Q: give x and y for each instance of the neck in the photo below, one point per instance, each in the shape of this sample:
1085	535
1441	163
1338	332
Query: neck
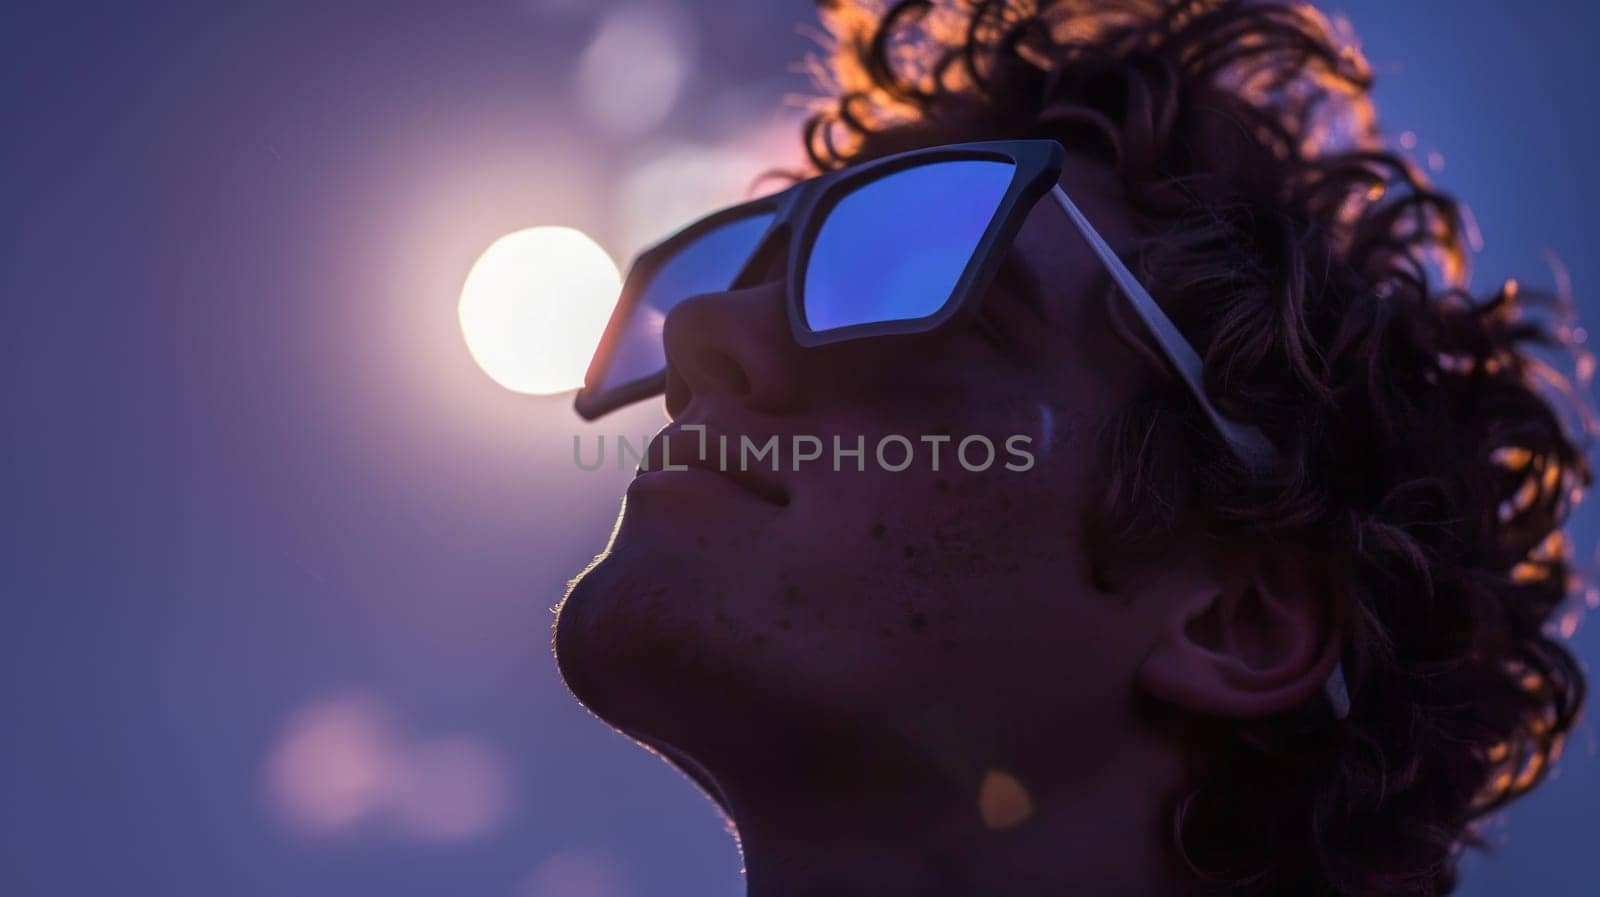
935	833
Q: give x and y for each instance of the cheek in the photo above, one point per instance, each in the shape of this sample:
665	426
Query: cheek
984	550
926	565
989	603
898	575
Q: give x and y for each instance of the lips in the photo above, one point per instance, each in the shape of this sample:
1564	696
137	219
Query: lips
681	448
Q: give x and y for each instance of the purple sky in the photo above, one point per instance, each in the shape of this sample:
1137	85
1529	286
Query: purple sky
261	505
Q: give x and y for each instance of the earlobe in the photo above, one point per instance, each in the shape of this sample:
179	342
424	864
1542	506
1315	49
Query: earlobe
1257	646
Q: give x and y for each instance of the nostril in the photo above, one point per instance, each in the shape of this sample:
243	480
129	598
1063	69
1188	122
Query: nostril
719	367
677	395
709	370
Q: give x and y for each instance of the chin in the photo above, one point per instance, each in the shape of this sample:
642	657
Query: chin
684	651
632	649
631	671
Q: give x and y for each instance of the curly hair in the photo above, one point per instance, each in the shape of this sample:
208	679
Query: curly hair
1432	455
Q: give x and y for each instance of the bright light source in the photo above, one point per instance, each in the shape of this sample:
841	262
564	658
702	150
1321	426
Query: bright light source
534	305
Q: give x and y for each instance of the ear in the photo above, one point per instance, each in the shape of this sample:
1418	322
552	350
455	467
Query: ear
1251	641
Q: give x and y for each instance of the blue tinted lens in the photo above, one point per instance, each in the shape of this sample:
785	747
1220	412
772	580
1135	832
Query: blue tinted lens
705	265
893	249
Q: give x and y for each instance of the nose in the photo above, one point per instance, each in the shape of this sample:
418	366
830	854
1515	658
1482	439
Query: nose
734	344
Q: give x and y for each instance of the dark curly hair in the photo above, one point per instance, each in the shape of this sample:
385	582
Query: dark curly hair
1431	443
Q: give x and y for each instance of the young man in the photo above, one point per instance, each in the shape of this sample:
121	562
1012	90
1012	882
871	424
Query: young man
1250	597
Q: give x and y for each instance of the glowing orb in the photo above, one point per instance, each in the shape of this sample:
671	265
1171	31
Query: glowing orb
534	306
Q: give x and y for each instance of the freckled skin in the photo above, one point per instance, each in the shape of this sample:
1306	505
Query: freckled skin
925	624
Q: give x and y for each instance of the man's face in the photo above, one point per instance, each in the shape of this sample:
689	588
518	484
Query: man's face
946	608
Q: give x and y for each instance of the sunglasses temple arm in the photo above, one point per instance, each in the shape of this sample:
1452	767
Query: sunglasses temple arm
1247	442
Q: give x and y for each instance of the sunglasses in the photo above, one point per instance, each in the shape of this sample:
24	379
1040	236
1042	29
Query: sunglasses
900	245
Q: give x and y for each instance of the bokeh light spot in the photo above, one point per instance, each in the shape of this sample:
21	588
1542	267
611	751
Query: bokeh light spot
576	872
344	762
333	764
455	789
1002	801
631	74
